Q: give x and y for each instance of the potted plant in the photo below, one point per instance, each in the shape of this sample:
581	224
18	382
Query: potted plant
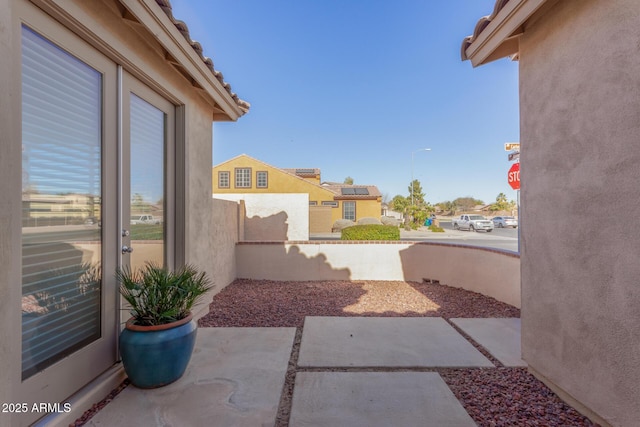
157	341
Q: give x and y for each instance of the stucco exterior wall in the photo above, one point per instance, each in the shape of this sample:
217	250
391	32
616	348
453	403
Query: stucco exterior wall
364	209
273	216
580	157
489	272
10	212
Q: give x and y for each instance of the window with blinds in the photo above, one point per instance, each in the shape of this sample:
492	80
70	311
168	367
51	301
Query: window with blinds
147	181
61	203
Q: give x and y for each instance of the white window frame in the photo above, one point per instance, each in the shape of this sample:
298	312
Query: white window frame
242	178
227	179
262	176
344	210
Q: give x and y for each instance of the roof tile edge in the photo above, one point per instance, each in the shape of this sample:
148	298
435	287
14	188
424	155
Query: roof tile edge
480	26
182	27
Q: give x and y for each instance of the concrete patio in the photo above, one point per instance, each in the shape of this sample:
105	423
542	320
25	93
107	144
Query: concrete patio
349	372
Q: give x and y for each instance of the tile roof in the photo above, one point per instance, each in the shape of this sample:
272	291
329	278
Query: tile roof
480	26
184	30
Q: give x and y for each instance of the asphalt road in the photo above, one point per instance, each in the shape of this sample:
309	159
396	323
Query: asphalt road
499	238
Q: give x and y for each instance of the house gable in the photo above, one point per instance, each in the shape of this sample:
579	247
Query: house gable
279	180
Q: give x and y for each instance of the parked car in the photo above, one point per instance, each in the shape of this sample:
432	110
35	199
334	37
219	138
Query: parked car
505	221
472	223
144	219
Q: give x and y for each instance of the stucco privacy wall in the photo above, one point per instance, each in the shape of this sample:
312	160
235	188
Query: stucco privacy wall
224	236
274	216
489	272
580	130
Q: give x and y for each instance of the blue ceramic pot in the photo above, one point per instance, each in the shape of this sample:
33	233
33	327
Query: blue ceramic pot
154	356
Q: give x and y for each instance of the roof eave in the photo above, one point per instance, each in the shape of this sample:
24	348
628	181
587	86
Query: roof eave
150	14
500	36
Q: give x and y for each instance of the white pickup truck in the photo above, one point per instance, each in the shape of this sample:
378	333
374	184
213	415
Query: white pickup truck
472	223
144	219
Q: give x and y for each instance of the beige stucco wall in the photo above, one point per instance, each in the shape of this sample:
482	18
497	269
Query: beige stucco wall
221	258
273	216
320	219
490	272
580	198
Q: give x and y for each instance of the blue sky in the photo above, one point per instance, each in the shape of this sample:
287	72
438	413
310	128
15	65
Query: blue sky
354	87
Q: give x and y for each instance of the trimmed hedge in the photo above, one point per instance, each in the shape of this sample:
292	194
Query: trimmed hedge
371	232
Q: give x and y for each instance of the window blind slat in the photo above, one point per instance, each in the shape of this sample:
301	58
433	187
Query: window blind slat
62	137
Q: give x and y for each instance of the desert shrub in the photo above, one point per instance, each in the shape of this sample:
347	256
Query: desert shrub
436	229
371	232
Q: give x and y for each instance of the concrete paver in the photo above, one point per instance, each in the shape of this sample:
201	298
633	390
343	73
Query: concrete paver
235	378
372	399
500	337
385	342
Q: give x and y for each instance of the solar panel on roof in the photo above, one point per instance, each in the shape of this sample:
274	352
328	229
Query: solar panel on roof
362	191
348	191
305	171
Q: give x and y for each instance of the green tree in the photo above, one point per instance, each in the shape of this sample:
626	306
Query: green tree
348	180
415	193
467	203
448	206
419	214
501	204
399	203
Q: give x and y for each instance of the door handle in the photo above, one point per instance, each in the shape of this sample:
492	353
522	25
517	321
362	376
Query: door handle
126	249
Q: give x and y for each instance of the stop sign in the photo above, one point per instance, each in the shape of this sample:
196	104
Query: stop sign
514	176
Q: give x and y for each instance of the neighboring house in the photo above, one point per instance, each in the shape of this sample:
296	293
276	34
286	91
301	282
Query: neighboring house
579	132
389	212
244	174
357	201
106	111
483	209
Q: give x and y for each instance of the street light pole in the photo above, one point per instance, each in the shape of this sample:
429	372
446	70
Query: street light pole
412	155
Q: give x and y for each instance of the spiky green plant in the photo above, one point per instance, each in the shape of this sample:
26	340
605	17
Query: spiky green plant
158	296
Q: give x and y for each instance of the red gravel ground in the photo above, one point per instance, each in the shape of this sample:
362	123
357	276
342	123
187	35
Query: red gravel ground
492	396
268	303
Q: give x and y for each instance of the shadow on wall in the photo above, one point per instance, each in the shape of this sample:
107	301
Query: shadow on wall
287	262
273	227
